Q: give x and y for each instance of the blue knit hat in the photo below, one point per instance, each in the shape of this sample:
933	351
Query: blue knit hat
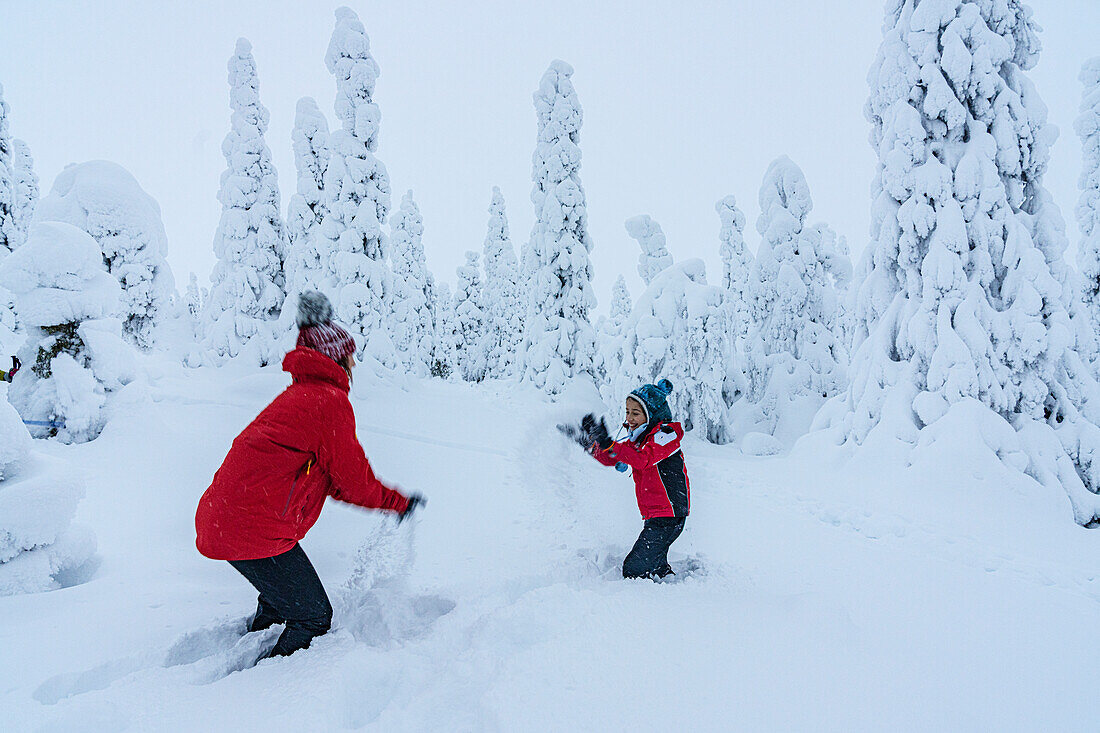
654	399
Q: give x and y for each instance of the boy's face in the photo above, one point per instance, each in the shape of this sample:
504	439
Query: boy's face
635	415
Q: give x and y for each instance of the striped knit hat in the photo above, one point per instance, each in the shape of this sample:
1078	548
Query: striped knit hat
317	331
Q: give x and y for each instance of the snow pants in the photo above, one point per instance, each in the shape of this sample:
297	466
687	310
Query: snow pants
649	556
291	594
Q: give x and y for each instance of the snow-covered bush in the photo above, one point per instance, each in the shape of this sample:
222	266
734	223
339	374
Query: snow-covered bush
103	199
793	358
504	302
470	320
74	354
357	195
413	327
445	344
966	295
678	330
1088	205
26	189
247	285
38	542
308	264
654	257
558	342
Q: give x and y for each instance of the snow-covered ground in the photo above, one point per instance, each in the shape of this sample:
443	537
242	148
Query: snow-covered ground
934	599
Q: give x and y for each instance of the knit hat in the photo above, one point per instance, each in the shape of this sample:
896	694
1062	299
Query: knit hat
654	399
317	331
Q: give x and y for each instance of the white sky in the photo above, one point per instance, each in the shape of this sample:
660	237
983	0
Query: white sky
683	102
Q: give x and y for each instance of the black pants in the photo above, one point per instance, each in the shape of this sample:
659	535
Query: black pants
291	594
649	556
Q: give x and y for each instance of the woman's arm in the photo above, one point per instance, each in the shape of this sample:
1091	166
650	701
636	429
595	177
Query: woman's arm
342	457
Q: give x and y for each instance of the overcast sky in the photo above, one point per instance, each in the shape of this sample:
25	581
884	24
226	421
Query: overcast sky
683	102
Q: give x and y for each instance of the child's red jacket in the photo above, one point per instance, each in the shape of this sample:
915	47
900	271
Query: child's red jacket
302	448
660	474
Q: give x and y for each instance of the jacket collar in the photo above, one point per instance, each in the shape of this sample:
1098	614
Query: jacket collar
305	364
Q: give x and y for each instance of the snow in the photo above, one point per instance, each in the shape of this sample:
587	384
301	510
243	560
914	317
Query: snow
835	594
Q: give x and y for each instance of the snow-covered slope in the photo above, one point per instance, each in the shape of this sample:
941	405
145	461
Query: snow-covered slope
868	602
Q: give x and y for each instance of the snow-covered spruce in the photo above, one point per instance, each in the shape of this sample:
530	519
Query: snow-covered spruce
247	285
9	231
558	342
654	257
678	330
308	263
470	320
609	342
26	189
103	199
504	302
74	356
1087	126
445	344
736	265
357	195
412	313
966	298
193	301
793	359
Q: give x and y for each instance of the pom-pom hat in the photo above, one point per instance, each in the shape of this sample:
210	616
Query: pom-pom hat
654	399
316	329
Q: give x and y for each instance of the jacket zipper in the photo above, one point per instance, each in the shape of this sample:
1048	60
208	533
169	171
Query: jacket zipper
290	495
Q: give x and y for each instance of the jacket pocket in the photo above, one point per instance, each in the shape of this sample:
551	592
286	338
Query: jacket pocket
293	485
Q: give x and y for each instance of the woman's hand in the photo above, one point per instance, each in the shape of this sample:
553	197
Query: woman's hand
415	501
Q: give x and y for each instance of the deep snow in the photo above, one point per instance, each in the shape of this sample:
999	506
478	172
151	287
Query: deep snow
833	597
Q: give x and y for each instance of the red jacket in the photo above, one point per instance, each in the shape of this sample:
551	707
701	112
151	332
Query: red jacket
660	474
300	449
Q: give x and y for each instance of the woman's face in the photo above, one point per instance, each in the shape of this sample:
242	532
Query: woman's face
349	363
635	415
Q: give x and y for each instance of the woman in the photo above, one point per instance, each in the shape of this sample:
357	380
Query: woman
270	489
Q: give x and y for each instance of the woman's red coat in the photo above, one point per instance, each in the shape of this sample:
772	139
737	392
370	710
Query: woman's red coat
270	489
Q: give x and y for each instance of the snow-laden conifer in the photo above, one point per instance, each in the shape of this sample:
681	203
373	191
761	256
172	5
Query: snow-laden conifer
247	285
559	342
966	299
9	231
1087	126
26	189
308	261
107	202
793	359
609	342
74	355
736	264
678	330
504	302
357	194
445	344
193	300
413	327
470	320
654	257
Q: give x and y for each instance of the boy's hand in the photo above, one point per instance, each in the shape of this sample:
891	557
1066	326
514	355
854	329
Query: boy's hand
600	435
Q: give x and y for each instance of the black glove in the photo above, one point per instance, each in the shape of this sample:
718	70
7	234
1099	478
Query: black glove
415	500
596	432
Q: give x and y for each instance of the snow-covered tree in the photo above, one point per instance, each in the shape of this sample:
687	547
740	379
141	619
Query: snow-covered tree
357	194
1088	205
308	263
445	345
504	302
736	264
193	301
413	324
558	341
9	230
609	341
793	359
470	320
74	356
678	330
654	257
107	202
26	189
247	285
965	301
38	540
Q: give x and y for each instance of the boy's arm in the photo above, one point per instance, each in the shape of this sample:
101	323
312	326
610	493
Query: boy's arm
662	444
604	456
